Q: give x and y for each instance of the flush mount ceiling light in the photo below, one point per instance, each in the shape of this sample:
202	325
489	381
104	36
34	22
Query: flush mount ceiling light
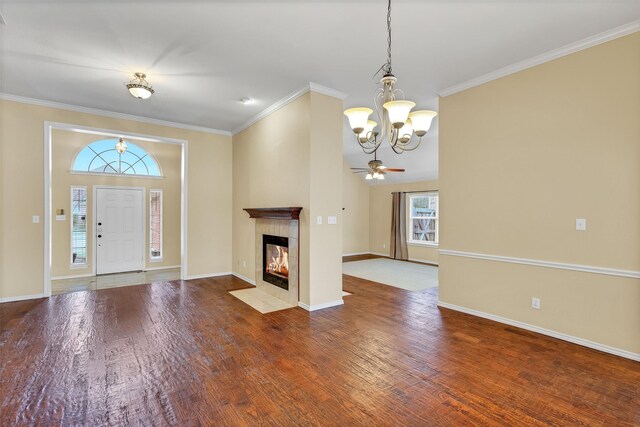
246	100
139	87
398	124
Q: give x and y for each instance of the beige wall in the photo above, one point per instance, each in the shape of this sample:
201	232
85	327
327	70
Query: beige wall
209	193
326	199
520	159
301	166
270	169
65	146
355	216
380	220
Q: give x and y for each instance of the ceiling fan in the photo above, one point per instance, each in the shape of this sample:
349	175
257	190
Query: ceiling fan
376	169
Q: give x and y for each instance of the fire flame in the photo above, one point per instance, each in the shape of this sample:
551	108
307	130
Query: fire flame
279	264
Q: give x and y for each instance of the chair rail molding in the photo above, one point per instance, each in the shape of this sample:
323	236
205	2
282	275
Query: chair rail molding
541	263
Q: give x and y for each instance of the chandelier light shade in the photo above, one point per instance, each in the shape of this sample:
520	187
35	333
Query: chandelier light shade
398	112
358	118
139	87
421	121
368	128
399	126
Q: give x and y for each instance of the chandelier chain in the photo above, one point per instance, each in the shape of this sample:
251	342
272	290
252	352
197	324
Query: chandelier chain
388	67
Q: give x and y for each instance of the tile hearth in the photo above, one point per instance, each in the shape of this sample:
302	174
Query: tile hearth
260	300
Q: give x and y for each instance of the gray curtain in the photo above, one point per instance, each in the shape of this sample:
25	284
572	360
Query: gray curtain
399	227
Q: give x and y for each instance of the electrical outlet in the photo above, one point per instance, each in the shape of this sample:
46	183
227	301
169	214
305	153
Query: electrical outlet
384	246
244	263
535	303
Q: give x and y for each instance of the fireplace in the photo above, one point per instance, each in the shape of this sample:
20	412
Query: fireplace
275	260
277	251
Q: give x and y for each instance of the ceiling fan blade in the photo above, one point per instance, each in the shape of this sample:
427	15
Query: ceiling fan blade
393	170
360	169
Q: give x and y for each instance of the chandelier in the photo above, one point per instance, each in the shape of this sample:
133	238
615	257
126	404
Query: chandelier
398	124
121	146
139	87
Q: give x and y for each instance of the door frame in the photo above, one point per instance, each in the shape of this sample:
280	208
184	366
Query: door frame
49	127
94	255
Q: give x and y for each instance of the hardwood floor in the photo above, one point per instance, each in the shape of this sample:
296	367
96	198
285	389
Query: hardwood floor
189	353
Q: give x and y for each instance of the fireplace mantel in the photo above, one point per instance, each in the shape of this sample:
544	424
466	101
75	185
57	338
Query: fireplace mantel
274	213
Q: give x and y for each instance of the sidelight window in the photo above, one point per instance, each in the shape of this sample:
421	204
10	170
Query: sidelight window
155	219
78	226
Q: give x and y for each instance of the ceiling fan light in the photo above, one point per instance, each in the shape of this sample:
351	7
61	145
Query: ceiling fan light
398	112
369	176
422	121
358	118
380	176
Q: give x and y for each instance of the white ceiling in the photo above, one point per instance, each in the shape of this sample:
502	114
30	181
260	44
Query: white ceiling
203	57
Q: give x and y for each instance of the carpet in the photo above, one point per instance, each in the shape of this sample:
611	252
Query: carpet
410	276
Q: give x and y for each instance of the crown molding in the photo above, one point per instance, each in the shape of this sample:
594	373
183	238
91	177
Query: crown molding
112	114
310	87
586	43
315	87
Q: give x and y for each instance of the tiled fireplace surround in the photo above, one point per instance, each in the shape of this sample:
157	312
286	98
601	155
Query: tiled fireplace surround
274	222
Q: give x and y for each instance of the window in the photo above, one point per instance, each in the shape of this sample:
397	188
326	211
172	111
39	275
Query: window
78	226
155	219
423	218
101	157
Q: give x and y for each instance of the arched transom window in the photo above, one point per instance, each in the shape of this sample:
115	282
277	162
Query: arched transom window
116	157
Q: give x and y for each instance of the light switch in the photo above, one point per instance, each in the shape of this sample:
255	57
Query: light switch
581	224
319	220
332	220
35	219
61	217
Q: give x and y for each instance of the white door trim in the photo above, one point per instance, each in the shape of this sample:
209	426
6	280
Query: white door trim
94	255
48	130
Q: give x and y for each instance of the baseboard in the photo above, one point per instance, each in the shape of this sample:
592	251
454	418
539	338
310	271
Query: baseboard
169	267
357	253
73	276
22	298
320	306
421	261
559	335
246	279
207	275
379	254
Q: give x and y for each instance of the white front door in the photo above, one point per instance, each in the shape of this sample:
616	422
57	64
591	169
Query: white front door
119	230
